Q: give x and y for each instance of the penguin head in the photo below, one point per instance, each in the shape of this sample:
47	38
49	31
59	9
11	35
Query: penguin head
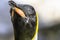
24	26
48	11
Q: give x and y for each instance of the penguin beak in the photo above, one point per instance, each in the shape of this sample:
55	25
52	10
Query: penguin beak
16	9
20	12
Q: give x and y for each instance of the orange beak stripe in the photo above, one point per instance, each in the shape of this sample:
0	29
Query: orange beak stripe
20	12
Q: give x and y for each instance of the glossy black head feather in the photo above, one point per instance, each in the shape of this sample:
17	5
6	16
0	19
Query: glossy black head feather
22	30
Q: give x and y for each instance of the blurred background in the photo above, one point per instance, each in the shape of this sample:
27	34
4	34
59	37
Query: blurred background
6	29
